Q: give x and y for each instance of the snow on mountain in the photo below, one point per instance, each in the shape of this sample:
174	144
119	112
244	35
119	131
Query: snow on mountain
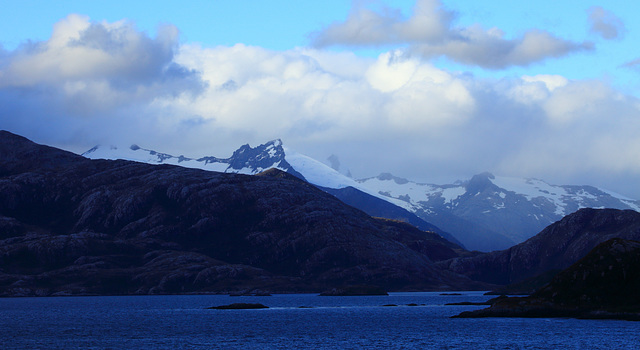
245	160
143	155
412	192
566	199
515	208
322	175
485	213
248	160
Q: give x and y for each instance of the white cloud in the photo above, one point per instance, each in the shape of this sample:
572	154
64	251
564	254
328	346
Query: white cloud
91	77
551	82
430	22
401	114
393	113
430	32
605	23
80	49
535	89
586	137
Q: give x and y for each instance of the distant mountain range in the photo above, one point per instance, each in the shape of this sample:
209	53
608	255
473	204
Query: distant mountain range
484	213
491	212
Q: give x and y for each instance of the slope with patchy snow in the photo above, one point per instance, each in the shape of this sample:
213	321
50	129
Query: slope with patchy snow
515	208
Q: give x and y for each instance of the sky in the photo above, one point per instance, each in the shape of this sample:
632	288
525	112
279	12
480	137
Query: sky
430	90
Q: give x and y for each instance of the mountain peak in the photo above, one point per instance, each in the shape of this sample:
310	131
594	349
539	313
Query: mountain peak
245	160
479	183
274	143
262	157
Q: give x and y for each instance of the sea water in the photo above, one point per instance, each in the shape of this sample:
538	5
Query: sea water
292	321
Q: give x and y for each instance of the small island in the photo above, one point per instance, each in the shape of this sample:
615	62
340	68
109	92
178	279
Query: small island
239	306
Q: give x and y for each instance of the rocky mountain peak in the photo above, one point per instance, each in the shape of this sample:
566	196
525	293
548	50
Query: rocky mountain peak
263	156
479	183
246	159
260	158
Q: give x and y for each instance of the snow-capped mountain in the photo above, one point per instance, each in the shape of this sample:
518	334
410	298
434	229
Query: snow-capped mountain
245	160
484	213
248	160
481	210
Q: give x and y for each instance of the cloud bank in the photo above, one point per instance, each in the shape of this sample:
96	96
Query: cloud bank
108	83
430	32
90	75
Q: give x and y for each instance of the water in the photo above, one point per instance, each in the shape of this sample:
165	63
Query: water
182	322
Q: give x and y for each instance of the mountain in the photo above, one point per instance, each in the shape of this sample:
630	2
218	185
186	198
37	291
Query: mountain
75	226
253	160
490	212
604	285
245	160
553	249
484	213
377	207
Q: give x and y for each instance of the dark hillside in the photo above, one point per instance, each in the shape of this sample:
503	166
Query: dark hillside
604	285
555	248
69	225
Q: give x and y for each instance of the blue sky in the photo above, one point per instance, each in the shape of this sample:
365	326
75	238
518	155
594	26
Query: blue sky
282	25
430	90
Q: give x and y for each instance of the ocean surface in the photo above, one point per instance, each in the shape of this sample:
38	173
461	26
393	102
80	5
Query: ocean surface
293	321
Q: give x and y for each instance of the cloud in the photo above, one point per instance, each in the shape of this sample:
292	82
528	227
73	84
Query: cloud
605	23
364	27
586	134
430	32
633	64
79	49
393	113
398	113
91	70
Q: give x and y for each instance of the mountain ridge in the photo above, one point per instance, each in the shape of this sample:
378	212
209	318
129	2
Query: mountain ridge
485	213
507	209
253	160
74	226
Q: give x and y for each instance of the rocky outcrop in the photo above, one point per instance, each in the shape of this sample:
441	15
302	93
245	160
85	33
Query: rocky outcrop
70	225
555	248
603	284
